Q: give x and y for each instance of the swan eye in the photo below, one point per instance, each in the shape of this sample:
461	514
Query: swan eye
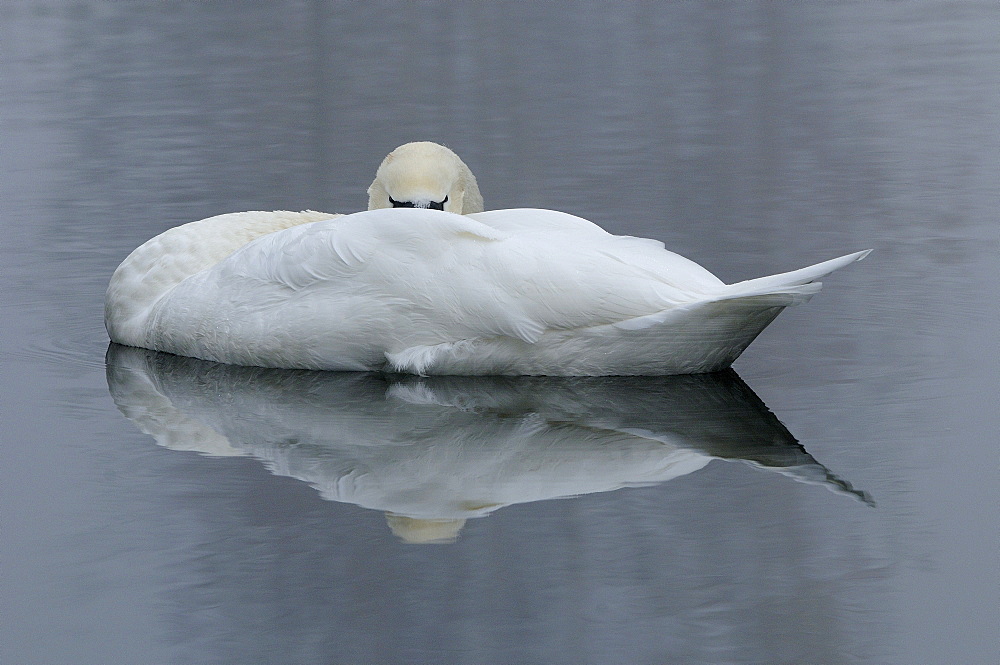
438	205
400	204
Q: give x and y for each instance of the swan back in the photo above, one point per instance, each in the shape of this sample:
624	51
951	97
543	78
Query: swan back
421	174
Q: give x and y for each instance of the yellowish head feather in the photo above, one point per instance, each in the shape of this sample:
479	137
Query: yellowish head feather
423	173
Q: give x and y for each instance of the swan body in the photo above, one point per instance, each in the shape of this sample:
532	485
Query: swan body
430	292
425	282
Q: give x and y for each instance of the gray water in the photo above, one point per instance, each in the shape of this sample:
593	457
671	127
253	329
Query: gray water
750	137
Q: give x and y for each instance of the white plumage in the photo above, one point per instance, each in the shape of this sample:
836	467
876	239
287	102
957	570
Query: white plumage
426	291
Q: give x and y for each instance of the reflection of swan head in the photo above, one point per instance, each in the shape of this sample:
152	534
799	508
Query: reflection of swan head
425	175
415	531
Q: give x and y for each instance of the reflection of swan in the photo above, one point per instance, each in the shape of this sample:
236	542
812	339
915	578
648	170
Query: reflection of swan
428	291
432	452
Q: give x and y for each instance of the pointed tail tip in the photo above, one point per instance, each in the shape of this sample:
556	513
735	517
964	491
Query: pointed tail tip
848	259
795	278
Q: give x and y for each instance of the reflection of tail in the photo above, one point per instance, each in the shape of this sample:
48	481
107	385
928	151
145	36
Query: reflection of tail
814	473
788	288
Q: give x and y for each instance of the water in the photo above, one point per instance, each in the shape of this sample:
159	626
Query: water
751	137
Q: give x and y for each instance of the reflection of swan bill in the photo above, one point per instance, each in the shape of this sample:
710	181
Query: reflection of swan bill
434	451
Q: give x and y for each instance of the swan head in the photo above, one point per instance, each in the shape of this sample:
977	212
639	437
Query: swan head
425	175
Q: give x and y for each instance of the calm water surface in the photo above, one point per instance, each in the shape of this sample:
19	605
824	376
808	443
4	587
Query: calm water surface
160	510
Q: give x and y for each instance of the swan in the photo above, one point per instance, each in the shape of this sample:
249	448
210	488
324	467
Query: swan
426	282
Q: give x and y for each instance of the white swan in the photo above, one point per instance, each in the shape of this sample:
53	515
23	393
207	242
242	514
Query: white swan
429	291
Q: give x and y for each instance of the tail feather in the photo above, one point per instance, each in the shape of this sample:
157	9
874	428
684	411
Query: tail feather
790	288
